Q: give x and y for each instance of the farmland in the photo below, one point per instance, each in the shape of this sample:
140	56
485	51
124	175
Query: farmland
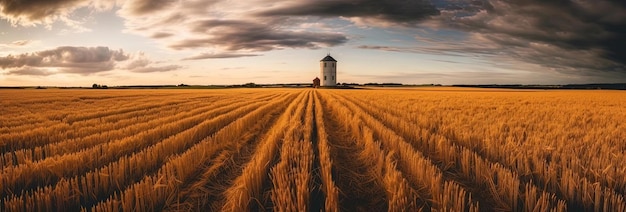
430	149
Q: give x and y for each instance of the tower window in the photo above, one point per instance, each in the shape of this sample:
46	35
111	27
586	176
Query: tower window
324	77
333	65
324	64
333	77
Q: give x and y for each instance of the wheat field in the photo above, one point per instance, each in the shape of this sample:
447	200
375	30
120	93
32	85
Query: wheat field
403	149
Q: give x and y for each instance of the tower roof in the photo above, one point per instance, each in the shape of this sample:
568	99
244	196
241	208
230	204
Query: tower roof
329	58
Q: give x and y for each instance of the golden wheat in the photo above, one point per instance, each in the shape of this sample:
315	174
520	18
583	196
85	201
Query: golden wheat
444	149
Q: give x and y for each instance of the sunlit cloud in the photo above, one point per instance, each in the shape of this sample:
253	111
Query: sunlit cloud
149	69
30	71
67	59
141	63
219	56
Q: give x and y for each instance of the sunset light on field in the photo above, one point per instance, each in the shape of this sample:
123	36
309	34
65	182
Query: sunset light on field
312	105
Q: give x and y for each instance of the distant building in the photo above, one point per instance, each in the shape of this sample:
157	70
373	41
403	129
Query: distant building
328	71
316	82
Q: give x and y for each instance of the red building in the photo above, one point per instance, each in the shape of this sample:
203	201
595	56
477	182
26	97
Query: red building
316	82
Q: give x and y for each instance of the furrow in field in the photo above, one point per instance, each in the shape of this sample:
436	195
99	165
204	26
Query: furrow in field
130	169
291	176
447	165
90	137
50	170
439	188
111	133
325	178
205	190
156	191
19	120
360	187
247	189
59	130
453	169
510	184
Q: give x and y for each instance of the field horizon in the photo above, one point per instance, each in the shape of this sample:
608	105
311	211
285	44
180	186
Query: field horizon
586	86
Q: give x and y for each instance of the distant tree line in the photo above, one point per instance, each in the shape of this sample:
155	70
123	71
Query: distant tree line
96	86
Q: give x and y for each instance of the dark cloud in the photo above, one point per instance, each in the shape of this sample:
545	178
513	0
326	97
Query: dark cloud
400	11
143	7
233	35
570	36
219	56
516	56
28	12
68	59
161	35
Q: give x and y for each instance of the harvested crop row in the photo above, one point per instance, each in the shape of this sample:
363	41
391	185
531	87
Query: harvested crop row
328	186
128	169
154	192
74	164
545	181
473	170
422	172
247	188
105	134
214	177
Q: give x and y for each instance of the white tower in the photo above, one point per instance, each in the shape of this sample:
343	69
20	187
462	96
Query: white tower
328	71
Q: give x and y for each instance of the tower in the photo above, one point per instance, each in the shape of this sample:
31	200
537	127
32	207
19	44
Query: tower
328	71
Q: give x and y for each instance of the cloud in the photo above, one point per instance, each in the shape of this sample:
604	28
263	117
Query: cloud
149	69
67	59
17	43
225	26
397	11
140	63
143	7
234	35
80	60
472	45
20	42
161	35
230	26
48	12
29	13
219	56
29	71
580	37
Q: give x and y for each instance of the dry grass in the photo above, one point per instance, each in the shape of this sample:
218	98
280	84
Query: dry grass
423	149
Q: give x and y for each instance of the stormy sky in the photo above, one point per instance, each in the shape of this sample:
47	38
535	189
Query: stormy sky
129	42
